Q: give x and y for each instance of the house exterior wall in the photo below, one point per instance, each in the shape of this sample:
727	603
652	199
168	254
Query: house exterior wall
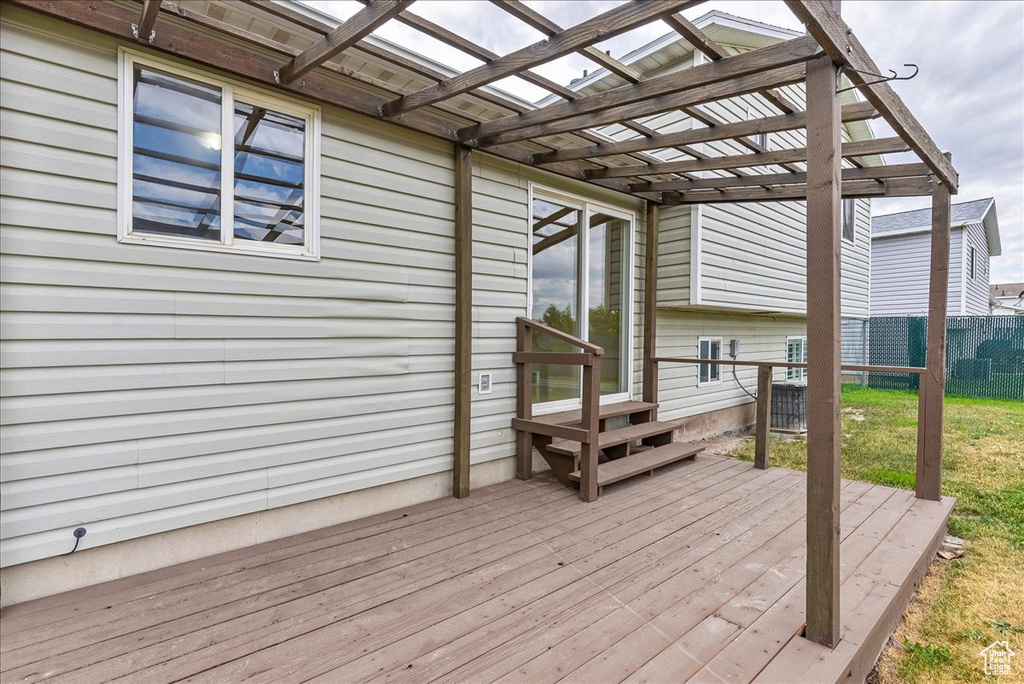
975	290
761	338
149	390
900	267
750	257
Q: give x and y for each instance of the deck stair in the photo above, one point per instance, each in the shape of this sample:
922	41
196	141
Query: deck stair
639	447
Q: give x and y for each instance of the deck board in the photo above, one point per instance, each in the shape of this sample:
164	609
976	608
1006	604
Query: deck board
697	572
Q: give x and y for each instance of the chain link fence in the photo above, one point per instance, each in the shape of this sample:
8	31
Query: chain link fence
984	354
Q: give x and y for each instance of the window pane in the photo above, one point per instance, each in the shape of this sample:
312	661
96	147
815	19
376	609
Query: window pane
848	219
607	237
555	266
269	176
716	353
176	157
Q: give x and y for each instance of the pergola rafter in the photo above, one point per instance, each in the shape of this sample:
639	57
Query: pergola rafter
571	138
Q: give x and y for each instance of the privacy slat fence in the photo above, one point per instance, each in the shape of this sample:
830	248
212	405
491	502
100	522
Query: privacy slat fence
984	354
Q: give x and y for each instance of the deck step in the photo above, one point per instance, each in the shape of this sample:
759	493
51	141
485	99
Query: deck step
623	435
642	462
622	408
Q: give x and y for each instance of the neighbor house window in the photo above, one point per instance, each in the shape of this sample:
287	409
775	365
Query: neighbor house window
210	165
972	255
849	219
796	352
710	348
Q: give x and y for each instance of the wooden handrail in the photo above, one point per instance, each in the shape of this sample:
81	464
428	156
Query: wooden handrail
588	434
564	336
786	364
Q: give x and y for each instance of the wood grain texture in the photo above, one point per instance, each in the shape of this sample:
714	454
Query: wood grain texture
780	55
147	20
824	156
463	380
839	41
852	149
357	27
858	111
932	392
524	406
891	187
763	417
602	27
591	412
685	100
522	582
650	367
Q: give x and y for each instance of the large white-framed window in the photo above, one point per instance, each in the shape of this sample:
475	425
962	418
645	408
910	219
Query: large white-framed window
211	164
707	373
796	352
580	259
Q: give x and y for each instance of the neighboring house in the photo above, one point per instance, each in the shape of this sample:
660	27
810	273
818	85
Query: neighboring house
900	257
181	389
1007	299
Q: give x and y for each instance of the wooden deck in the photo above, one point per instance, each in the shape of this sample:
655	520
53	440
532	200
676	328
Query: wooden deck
694	574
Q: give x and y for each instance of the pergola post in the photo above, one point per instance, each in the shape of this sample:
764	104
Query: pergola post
463	318
933	387
650	372
824	159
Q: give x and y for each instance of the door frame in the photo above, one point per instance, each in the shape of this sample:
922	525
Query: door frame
589	207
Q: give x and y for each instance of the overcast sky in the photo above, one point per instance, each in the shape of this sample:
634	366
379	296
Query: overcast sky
969	93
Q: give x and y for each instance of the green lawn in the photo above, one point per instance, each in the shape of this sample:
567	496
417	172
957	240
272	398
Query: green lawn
967	603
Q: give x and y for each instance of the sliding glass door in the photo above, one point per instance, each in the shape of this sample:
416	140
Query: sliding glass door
581	261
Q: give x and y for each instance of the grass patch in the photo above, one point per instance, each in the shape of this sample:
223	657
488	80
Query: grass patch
966	604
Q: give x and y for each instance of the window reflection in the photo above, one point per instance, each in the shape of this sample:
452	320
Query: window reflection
176	178
605	289
269	175
555	295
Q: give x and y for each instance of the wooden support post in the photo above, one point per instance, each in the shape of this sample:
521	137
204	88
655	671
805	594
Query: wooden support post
591	416
524	405
823	360
463	318
763	424
650	373
933	385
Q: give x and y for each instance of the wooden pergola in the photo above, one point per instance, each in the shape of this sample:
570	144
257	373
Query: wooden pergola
564	138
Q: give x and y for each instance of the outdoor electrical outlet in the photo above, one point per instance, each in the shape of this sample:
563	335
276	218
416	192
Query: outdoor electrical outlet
484	385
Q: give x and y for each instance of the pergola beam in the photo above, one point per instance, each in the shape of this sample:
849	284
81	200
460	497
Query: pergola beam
785	54
700	40
541	23
860	148
824	23
792	178
858	111
345	36
147	20
602	27
732	87
893	187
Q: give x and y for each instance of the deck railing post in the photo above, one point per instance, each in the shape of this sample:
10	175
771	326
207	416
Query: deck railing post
933	386
650	372
591	415
763	416
463	320
524	404
824	159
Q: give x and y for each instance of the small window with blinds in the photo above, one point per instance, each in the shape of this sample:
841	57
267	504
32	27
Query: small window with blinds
211	165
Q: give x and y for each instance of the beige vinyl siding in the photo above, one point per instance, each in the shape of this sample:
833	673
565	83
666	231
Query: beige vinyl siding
761	338
147	388
674	256
900	269
976	290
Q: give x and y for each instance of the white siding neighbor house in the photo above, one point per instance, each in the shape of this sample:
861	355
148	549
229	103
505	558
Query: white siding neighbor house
1007	299
228	310
900	254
